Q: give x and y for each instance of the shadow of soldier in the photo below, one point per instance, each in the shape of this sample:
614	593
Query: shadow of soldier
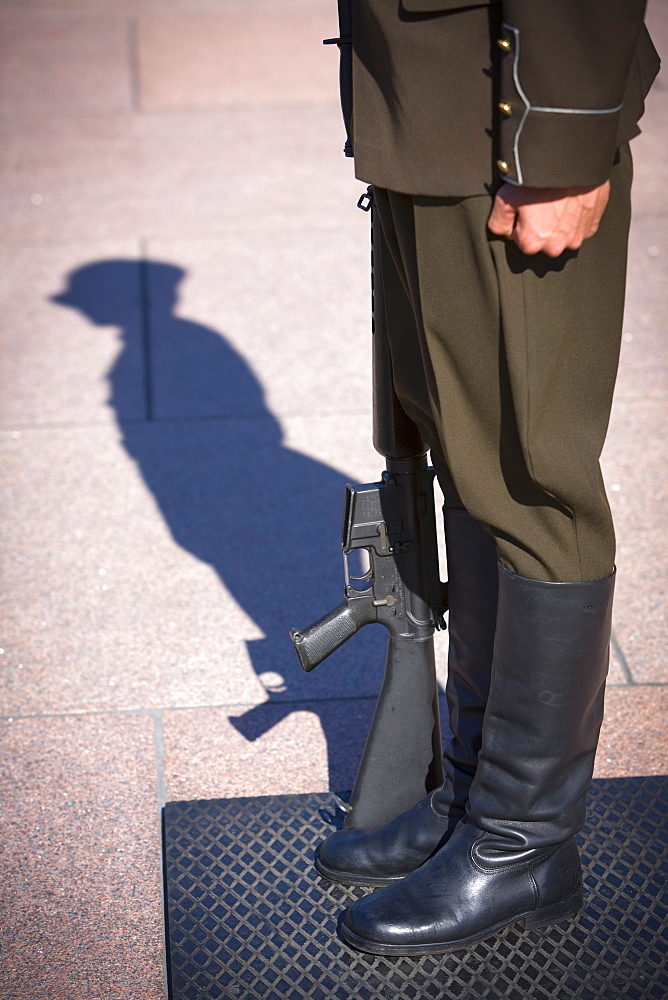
266	517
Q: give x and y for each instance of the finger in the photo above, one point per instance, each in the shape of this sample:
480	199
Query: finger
531	243
502	218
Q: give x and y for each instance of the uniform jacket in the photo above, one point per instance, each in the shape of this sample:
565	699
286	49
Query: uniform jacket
452	96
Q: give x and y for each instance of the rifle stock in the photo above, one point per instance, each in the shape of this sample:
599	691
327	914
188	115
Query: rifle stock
394	521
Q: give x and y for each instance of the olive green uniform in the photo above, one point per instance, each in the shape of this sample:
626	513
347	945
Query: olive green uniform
507	362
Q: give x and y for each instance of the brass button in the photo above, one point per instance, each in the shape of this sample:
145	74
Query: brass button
504	44
506	108
503	166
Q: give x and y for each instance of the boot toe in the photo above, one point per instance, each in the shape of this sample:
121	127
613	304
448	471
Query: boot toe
372	925
340	857
345	857
387	923
383	856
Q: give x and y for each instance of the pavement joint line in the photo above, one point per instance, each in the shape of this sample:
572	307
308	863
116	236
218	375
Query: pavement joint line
152	710
161	799
635	397
214	110
146	326
185	419
159	747
623	662
212	236
134	64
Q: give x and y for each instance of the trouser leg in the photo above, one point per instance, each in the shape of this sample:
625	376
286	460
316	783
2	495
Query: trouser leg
510	365
521	406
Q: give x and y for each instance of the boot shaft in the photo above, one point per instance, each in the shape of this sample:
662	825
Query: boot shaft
544	710
472	597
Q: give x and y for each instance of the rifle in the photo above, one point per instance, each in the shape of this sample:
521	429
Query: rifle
394	521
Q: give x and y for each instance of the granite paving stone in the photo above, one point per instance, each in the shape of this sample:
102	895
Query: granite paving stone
297	747
649	161
644	353
617	672
242	300
56	359
650	165
633	464
63	63
174	175
80	859
199	58
216	526
103	609
633	736
263	750
269	749
641	612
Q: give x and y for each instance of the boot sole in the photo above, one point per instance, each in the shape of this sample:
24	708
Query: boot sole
350	878
533	920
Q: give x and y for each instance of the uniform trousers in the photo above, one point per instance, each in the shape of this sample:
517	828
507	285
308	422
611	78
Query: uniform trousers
507	364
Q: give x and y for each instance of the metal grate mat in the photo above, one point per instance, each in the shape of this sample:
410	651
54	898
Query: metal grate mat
248	917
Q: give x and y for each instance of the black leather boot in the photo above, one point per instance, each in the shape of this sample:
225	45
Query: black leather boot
515	856
357	857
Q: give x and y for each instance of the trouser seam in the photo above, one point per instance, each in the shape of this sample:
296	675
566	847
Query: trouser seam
528	422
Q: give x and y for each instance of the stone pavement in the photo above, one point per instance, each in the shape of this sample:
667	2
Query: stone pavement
185	391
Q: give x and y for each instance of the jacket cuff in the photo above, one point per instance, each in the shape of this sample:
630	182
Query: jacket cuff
549	146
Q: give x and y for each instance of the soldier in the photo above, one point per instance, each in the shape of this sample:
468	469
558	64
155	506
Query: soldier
495	135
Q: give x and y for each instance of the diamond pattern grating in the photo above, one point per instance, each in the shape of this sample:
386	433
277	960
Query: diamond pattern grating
248	917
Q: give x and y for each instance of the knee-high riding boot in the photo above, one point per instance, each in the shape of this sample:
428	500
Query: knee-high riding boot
515	856
357	857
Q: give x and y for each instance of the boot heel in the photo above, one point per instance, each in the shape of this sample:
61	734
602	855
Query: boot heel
553	914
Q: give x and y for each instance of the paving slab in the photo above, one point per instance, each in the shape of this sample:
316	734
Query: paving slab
316	746
644	355
222	753
214	526
93	8
641	599
174	175
296	307
650	166
618	669
648	149
55	361
63	63
633	463
209	58
102	609
267	749
633	736
81	862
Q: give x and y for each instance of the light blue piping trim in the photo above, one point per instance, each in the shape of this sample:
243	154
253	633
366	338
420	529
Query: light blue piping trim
528	106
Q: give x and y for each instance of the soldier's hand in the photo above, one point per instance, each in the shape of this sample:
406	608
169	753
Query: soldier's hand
550	220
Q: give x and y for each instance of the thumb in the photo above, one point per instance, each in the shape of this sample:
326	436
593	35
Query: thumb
502	218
